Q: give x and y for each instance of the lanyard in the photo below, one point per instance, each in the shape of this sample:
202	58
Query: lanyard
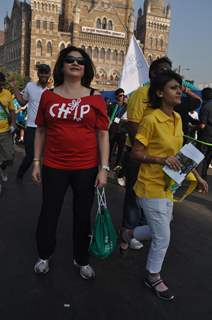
199	141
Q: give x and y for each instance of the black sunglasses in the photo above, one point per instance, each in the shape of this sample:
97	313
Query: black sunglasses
71	59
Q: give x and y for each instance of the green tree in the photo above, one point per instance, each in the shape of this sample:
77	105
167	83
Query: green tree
20	80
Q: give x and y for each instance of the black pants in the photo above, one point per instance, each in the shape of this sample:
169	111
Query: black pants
117	138
203	167
55	184
29	151
133	215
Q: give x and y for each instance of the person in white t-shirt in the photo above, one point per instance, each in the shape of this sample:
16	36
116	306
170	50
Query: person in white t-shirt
31	96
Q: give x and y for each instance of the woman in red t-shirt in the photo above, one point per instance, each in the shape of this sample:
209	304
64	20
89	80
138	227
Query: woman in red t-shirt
72	127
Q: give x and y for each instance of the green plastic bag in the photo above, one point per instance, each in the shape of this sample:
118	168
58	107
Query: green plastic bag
104	236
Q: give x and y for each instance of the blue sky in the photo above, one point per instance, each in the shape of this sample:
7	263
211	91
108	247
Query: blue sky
190	42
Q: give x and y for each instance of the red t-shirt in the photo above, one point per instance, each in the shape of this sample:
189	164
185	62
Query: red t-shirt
71	128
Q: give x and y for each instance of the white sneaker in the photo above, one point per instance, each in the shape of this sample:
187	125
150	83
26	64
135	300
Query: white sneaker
122	181
135	244
210	166
86	272
41	266
4	176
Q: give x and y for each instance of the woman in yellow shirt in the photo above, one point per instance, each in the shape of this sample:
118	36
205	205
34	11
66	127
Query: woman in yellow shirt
158	139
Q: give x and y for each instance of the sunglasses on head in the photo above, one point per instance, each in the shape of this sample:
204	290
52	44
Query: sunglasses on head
71	59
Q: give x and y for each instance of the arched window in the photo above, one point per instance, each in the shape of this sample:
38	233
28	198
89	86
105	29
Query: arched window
89	51
121	57
98	24
102	54
38	24
39	48
104	23
83	48
108	54
110	25
49	49
62	46
96	53
150	59
45	25
115	56
151	42
51	26
161	44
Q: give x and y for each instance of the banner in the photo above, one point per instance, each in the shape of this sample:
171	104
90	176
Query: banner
135	71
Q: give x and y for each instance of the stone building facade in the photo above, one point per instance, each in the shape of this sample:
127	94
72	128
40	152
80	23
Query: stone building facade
36	32
15	51
152	29
1	38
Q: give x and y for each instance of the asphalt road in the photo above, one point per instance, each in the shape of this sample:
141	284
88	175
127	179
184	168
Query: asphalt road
118	291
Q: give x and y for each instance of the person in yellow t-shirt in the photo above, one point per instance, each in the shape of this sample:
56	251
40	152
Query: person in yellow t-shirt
138	107
7	125
158	139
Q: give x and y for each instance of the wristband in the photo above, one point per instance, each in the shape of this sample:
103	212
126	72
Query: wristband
36	160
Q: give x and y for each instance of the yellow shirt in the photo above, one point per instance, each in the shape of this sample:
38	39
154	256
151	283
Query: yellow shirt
163	137
6	99
138	106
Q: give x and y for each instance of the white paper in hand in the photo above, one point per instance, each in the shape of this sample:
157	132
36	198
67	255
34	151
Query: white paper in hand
190	157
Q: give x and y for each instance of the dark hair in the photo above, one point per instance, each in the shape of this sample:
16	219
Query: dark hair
2	76
118	91
43	68
89	67
158	83
154	65
207	94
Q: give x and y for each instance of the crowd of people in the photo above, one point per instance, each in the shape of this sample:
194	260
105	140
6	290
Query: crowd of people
73	137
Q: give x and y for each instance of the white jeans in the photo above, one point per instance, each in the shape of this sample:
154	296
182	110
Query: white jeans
158	213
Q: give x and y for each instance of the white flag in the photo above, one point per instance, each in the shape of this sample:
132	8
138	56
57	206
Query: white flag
135	71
